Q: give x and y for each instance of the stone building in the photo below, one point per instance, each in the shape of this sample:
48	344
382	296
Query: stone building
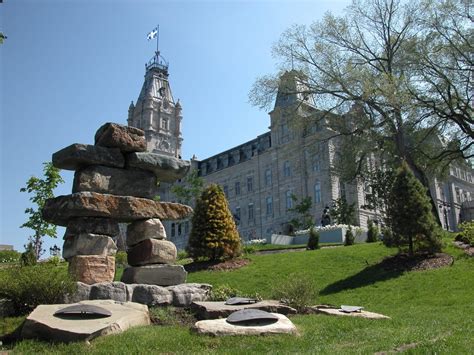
259	177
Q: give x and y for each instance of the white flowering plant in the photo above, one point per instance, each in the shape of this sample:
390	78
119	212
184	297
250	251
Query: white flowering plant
328	228
256	242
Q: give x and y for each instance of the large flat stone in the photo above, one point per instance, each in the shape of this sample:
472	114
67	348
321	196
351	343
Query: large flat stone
77	156
103	179
161	275
61	209
138	231
91	269
152	251
93	225
337	312
88	244
214	310
42	323
220	327
127	139
166	168
185	294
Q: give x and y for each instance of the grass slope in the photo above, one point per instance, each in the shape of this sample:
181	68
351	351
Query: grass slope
431	311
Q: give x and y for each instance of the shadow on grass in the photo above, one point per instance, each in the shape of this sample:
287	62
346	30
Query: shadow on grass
390	268
370	275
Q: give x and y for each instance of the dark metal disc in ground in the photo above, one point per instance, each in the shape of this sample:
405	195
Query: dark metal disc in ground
240	300
251	317
351	309
81	311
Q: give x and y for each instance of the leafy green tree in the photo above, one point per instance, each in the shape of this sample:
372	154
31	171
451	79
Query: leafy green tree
42	190
2	37
304	219
213	234
190	188
343	212
412	221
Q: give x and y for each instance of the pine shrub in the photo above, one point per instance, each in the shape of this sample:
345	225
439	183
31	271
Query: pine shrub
411	216
372	232
349	239
313	240
213	235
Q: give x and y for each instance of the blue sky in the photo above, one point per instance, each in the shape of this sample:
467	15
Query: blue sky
68	66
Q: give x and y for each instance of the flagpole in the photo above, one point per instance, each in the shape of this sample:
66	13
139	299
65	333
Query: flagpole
157	38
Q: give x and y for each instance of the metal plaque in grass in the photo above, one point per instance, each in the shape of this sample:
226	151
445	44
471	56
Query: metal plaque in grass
351	309
251	317
81	311
240	300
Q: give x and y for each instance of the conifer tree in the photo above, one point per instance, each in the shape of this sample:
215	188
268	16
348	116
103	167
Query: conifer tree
213	234
372	232
410	214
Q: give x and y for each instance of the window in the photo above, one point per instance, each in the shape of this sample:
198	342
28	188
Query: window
286	169
316	163
237	188
179	229
186	227
342	189
249	184
269	201
317	192
164	123
268	177
251	214
284	133
173	229
226	191
289	199
237	214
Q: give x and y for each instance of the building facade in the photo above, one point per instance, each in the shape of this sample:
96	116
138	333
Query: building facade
259	177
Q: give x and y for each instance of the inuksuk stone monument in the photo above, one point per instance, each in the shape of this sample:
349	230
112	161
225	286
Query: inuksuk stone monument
115	182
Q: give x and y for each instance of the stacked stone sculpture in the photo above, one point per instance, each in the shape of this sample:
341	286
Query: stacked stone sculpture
115	182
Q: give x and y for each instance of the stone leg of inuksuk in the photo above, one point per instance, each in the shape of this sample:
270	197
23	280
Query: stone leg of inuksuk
109	188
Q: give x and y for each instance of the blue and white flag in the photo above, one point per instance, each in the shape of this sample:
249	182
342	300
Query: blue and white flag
152	34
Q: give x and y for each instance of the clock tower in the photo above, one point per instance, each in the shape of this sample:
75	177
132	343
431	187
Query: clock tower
156	112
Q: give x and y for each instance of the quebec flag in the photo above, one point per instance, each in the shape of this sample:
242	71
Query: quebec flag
152	34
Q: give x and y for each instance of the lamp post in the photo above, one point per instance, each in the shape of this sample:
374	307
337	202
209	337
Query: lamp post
445	207
54	250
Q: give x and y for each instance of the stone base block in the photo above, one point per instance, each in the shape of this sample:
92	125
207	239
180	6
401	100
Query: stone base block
152	251
161	275
91	269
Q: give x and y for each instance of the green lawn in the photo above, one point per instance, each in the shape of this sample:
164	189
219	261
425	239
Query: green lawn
432	311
